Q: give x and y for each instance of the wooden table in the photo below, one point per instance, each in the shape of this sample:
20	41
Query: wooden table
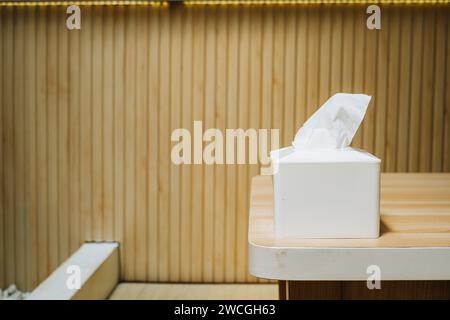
412	252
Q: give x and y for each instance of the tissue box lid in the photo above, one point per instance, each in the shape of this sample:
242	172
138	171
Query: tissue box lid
346	155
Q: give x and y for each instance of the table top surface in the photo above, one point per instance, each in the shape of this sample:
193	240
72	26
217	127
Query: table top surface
414	209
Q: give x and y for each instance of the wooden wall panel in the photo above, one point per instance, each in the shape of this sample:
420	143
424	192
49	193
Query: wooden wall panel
2	207
86	119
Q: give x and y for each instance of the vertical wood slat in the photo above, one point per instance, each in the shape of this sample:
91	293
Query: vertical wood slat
369	85
87	117
30	151
18	155
52	138
163	174
219	215
209	122
301	75
41	161
153	119
186	120
141	258
86	125
97	123
242	122
427	90
175	122
119	130
439	91
107	196
74	140
393	67
336	48
404	91
359	64
312	44
62	140
2	207
255	74
8	146
198	59
324	54
446	151
130	145
289	125
231	115
415	97
348	44
381	87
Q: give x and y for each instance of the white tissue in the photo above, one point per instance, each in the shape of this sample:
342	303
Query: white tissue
334	124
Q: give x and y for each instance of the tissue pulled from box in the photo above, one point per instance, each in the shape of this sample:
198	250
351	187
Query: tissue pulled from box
334	124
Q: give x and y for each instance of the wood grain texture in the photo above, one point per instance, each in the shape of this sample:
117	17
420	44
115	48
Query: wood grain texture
86	119
414	212
313	290
194	291
357	290
2	208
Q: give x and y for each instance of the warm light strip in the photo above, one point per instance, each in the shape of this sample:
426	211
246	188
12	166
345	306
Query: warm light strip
284	2
213	2
82	3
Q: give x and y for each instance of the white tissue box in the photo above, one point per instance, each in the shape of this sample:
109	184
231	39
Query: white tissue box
326	193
